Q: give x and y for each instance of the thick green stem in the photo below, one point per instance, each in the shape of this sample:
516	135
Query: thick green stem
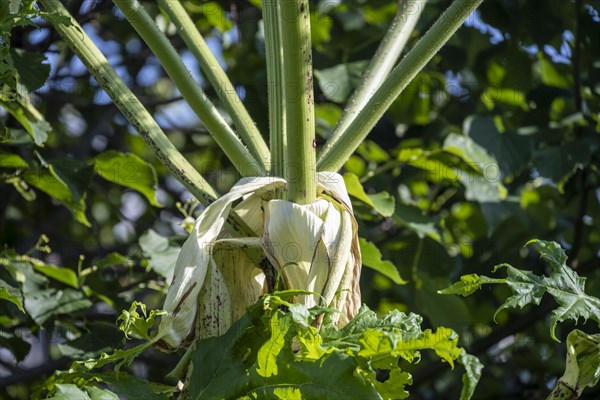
128	104
191	91
299	101
380	66
218	78
134	111
398	80
274	55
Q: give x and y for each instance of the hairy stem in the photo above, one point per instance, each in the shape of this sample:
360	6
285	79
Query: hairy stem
274	55
299	101
380	66
134	111
218	78
398	80
128	104
231	145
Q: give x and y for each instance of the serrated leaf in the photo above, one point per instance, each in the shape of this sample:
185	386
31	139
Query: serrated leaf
567	288
138	324
527	288
371	257
127	169
118	358
377	344
395	386
349	336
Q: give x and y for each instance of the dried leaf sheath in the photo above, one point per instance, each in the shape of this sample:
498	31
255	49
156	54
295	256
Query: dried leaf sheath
313	246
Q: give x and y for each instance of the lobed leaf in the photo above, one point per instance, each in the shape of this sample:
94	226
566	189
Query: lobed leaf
567	288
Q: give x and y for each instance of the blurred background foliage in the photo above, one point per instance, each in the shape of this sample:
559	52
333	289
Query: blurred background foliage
495	143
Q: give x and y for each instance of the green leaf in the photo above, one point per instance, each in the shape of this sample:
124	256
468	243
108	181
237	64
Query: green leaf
371	151
162	254
268	353
44	304
33	73
526	287
134	388
101	394
75	175
559	163
127	169
337	82
554	75
69	392
505	95
45	181
29	117
16	345
101	338
138	324
371	257
511	151
468	284
567	288
12	294
383	202
469	151
415	220
470	378
12	161
394	386
349	336
61	274
376	344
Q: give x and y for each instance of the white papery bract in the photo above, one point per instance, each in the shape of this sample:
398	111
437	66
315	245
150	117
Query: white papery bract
313	247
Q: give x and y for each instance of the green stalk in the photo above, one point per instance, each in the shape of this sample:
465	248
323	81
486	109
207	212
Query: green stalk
135	112
385	58
128	104
299	101
191	91
398	80
218	78
274	55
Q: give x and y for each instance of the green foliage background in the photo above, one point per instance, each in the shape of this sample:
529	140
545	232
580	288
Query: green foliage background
495	143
